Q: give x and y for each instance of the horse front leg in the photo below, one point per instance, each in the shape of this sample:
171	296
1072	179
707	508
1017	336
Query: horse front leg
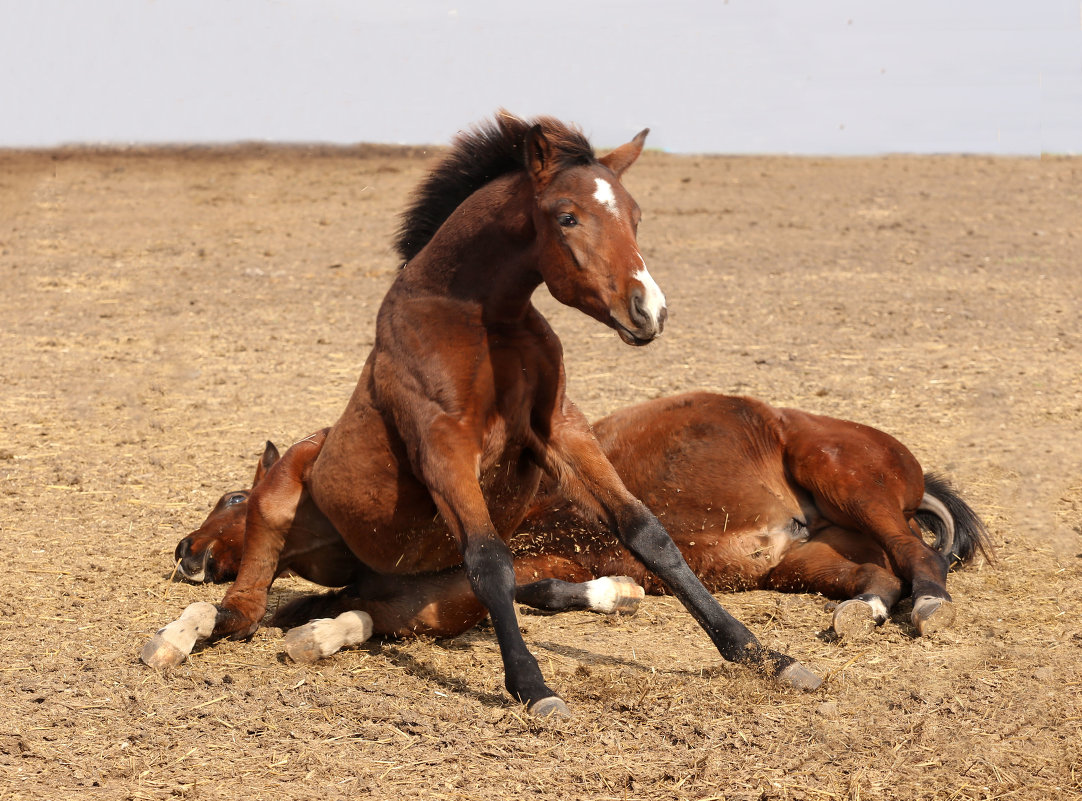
576	460
272	508
451	475
642	533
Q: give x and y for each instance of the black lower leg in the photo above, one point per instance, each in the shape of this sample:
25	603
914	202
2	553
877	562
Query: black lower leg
930	577
492	577
648	540
553	595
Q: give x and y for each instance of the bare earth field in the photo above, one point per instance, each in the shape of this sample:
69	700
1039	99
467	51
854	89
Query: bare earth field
162	313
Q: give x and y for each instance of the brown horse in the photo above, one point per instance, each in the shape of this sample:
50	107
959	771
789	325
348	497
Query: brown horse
461	406
721	471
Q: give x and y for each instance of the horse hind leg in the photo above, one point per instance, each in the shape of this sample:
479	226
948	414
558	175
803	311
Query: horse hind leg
438	604
858	617
608	595
875	509
882	529
866	588
931	614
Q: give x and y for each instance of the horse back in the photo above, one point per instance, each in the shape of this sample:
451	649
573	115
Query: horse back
700	453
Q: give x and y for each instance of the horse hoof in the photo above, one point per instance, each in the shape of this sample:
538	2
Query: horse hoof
800	677
161	654
553	706
853	618
612	594
931	614
318	639
171	644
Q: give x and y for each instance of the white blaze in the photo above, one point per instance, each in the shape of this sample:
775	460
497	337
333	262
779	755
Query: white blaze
605	196
653	297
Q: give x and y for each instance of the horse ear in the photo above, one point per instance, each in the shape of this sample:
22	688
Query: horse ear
625	155
538	156
266	461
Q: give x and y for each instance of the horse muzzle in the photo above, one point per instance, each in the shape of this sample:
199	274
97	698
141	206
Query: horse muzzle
196	568
645	319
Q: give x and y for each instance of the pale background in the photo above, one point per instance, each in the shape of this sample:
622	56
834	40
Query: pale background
736	76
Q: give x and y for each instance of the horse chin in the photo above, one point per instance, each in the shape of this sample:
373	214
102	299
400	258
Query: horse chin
629	337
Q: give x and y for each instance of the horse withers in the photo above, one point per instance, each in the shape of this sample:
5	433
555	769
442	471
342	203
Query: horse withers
461	406
718	471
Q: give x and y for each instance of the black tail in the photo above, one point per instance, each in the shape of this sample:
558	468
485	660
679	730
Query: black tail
311	607
970	535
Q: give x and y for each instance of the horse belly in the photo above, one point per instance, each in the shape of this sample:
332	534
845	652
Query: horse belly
389	521
738	559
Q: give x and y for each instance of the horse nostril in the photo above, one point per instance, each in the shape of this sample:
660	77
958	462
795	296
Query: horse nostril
184	547
639	315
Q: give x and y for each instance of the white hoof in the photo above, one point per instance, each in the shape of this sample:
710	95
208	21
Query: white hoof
171	644
611	594
318	639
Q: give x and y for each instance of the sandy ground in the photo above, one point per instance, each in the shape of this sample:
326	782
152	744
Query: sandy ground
162	313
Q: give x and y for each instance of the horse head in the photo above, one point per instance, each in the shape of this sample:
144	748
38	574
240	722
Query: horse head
212	552
586	224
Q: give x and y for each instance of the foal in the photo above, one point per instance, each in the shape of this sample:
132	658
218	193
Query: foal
460	405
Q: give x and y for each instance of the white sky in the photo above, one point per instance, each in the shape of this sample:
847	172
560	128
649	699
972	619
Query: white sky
736	76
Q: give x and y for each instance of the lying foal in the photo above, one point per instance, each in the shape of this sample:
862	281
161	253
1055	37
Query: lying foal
755	498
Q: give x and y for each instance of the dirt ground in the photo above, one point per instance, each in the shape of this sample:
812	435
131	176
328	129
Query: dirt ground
162	313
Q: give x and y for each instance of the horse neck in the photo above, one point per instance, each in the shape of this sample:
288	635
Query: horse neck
485	252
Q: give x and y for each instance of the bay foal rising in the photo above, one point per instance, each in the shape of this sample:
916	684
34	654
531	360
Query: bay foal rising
718	469
460	405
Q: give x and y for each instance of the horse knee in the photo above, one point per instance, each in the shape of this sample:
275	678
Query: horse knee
645	537
490	569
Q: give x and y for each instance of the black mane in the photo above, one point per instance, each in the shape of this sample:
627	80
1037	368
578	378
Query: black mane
478	156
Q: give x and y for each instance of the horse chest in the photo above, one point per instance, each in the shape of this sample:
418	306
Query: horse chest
509	483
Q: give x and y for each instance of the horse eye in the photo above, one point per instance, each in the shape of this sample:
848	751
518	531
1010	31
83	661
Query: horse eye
567	220
235	499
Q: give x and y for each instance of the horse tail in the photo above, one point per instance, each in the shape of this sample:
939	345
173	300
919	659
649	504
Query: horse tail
959	532
310	607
